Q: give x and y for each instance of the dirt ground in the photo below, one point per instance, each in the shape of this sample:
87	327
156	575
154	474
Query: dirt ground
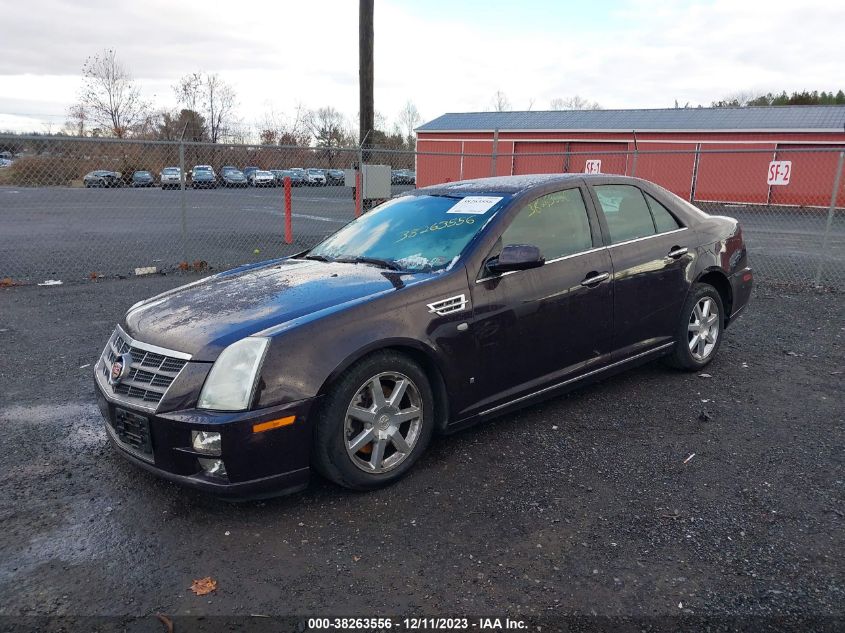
592	503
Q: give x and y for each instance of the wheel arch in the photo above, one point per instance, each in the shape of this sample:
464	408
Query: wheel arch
417	351
717	278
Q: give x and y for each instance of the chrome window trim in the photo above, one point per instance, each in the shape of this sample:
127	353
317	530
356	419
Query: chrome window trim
576	378
648	237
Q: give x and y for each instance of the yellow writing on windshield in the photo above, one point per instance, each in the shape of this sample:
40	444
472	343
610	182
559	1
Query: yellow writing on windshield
544	202
437	226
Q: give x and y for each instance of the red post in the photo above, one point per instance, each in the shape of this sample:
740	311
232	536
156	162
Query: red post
288	215
359	183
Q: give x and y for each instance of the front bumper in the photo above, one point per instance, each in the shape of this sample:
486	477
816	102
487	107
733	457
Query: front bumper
260	464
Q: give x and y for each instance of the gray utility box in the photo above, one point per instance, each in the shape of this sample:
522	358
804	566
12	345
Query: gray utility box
376	181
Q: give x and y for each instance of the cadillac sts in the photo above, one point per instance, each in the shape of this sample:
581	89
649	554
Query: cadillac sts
440	308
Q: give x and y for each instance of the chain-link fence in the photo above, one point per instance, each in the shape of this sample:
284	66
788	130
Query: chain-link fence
73	208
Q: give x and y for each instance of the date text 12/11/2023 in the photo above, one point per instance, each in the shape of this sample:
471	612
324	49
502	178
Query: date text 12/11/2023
417	624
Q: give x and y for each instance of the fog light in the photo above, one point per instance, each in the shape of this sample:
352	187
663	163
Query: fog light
212	467
206	442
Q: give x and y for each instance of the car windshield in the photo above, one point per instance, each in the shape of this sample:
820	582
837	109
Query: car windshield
170	170
416	233
315	171
142	173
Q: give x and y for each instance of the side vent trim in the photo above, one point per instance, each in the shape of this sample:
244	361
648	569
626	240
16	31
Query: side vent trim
451	305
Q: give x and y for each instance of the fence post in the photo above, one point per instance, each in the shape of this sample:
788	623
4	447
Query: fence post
359	184
823	254
288	213
495	153
182	178
636	152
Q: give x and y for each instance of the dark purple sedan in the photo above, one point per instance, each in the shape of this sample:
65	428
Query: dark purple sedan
436	310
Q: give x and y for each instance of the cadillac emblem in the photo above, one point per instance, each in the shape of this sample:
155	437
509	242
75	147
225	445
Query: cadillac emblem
119	369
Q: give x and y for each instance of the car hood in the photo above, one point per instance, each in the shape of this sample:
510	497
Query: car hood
204	317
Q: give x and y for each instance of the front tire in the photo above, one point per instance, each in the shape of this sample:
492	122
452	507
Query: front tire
375	422
699	333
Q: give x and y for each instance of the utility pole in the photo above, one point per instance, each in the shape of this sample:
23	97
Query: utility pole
365	76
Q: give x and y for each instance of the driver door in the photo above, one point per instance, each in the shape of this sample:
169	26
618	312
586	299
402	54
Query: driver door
544	325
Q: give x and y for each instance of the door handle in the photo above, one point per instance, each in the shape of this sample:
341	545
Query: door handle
677	251
594	279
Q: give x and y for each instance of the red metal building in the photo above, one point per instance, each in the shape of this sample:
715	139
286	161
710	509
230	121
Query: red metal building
701	154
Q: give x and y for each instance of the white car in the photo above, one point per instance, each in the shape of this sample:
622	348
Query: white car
315	177
171	178
261	178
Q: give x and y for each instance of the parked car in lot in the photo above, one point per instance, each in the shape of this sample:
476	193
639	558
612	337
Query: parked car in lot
102	178
142	178
335	177
438	309
249	170
203	177
171	178
261	178
315	177
299	172
5	162
402	177
232	177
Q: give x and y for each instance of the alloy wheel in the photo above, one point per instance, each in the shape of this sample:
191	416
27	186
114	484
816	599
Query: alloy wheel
383	422
703	328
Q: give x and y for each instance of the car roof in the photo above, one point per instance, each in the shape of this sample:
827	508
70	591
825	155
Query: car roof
518	184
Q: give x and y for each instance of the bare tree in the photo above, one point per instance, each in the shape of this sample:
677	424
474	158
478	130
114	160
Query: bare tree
277	128
409	117
574	103
220	102
330	130
77	120
209	95
109	95
500	102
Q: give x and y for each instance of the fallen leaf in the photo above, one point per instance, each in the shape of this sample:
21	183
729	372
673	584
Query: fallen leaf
204	586
165	621
7	282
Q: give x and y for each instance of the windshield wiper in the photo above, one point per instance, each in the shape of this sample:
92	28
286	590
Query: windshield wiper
320	258
375	261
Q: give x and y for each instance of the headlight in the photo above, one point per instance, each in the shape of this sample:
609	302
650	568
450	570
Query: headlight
231	381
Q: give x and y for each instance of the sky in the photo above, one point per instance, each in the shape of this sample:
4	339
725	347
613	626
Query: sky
443	55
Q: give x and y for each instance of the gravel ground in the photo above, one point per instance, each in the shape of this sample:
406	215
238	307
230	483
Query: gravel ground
590	503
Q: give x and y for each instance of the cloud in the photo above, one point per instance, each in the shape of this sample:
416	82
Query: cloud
636	53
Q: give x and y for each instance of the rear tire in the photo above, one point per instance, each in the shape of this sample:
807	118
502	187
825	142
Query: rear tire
374	423
699	333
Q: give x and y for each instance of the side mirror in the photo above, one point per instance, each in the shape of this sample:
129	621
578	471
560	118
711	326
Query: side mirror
516	257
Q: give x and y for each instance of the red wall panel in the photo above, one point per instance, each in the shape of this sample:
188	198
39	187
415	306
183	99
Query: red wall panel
673	171
811	180
734	177
549	158
616	163
435	169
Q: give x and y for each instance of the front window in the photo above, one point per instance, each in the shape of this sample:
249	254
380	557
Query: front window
417	233
556	223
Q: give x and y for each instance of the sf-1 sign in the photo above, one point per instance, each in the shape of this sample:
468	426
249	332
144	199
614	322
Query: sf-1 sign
779	172
592	167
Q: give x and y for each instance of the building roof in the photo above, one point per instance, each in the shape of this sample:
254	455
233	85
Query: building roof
748	119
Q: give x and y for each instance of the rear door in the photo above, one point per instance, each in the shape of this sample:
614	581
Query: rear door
544	325
650	251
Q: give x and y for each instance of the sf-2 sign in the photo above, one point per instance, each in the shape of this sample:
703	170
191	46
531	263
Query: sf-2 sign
592	167
779	172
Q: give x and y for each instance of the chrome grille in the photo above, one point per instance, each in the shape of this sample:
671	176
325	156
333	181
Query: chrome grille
150	374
